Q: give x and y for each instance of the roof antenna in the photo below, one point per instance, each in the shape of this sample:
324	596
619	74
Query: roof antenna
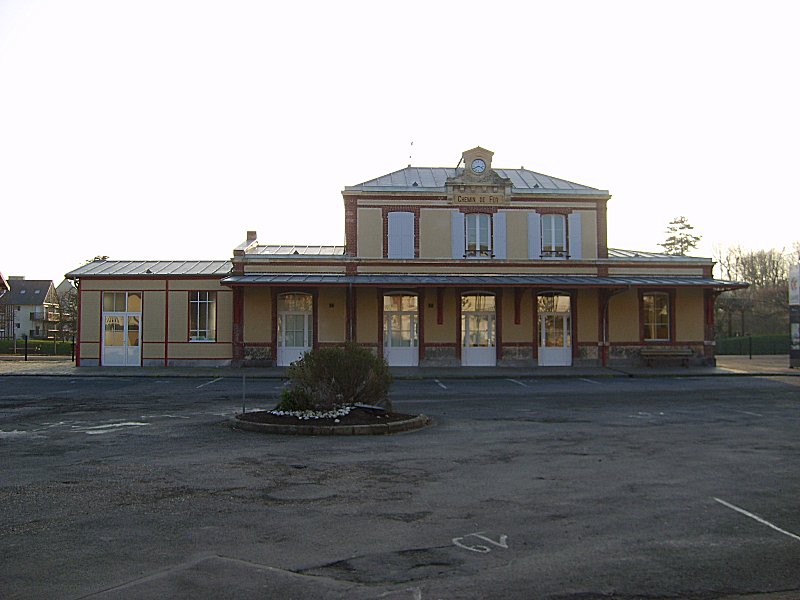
410	152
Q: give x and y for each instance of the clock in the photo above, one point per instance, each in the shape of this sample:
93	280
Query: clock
478	165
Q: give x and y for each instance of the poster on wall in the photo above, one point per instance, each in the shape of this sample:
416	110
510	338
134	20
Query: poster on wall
794	285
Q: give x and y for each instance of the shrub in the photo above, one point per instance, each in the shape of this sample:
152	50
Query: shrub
294	399
328	378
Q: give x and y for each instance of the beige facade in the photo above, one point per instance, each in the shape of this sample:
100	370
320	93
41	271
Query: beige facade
468	266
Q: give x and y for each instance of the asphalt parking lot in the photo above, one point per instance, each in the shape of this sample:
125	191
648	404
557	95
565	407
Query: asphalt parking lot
524	488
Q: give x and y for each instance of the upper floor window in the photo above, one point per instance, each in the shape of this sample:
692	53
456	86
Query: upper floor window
401	235
478	235
554	236
656	316
202	316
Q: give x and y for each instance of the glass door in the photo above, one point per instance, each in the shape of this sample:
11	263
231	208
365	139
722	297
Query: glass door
478	332
295	322
400	331
555	332
122	317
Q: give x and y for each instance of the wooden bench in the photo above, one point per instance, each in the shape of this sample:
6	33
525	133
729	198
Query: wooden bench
651	354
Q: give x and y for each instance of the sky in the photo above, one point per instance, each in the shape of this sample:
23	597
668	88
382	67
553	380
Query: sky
166	129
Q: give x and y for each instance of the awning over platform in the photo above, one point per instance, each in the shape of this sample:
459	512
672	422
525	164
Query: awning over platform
469	280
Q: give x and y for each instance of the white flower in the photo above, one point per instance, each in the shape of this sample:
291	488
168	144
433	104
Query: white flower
313	414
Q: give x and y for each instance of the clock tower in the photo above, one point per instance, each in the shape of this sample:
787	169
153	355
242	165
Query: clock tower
477	184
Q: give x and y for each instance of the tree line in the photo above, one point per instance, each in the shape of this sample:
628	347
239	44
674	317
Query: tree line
763	308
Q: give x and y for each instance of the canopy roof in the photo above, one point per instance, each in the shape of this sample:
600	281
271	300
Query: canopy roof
400	280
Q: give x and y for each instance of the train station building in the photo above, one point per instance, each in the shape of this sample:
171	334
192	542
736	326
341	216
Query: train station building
466	266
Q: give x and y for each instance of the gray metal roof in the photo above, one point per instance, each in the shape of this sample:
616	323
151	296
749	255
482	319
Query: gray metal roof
397	280
297	250
428	179
129	268
640	255
28	292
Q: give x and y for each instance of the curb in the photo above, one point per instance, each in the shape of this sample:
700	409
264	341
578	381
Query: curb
412	424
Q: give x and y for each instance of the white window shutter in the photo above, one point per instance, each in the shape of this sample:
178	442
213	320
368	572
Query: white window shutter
534	235
499	242
457	234
575	236
407	235
401	235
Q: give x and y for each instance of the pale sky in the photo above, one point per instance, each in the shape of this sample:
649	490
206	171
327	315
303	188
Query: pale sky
166	129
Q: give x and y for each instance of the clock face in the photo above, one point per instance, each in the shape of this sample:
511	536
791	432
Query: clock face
478	165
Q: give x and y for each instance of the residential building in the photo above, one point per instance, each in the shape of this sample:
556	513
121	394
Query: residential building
465	266
29	308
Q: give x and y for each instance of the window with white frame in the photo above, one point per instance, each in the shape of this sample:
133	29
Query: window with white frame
202	316
478	235
554	236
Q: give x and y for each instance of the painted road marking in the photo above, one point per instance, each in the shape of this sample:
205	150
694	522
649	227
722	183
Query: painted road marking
208	383
440	384
747	412
517	382
480	548
759	519
590	381
101	429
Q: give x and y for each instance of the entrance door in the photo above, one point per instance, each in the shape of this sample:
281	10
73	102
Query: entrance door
478	333
555	332
400	331
295	327
122	317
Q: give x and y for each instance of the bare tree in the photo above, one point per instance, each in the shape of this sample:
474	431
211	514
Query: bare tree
763	307
680	238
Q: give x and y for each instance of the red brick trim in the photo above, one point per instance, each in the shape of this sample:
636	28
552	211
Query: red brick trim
498	323
602	270
485	210
166	324
379	292
573	309
400	208
421	324
80	338
351	225
602	229
238	324
552	210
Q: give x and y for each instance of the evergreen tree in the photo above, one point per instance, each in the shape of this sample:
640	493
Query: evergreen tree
680	238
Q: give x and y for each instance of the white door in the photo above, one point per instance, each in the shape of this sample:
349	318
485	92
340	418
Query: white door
122	317
295	327
294	337
555	340
478	349
478	333
400	330
400	340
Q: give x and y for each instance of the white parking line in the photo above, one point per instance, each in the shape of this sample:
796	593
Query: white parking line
440	384
590	381
517	382
757	518
747	412
208	383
